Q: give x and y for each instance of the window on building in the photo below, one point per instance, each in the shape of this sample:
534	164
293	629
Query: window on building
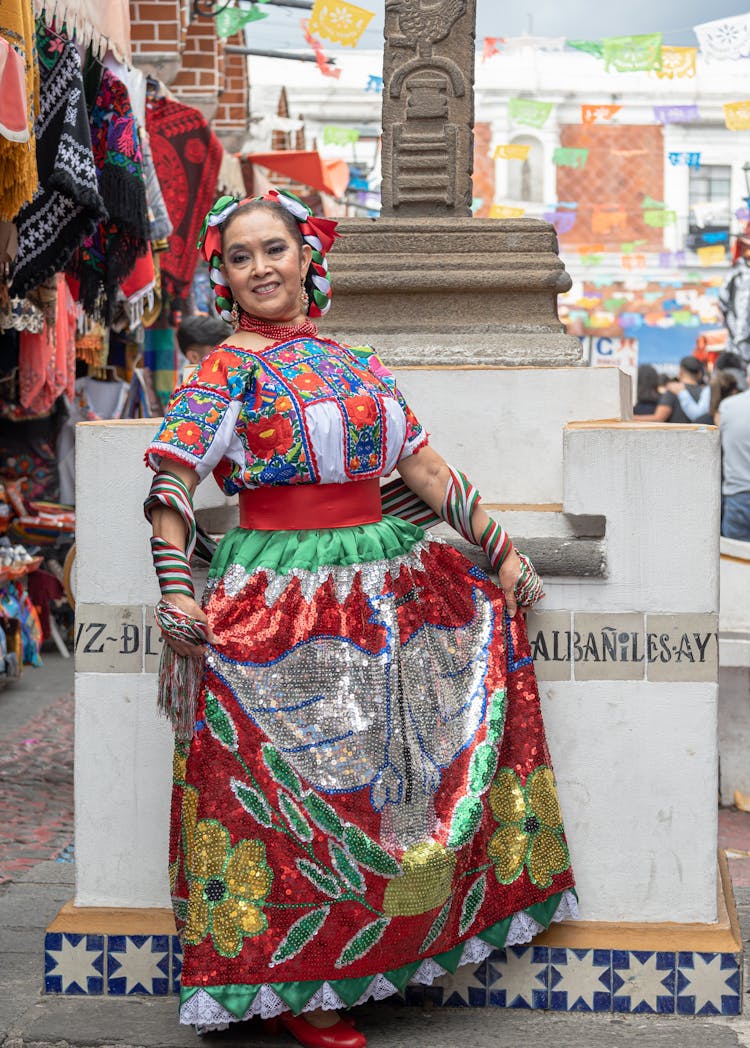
526	177
709	202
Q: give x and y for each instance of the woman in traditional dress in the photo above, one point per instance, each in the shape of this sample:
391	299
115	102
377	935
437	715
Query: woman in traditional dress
363	797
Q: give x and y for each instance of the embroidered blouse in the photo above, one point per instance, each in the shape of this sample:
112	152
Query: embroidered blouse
306	411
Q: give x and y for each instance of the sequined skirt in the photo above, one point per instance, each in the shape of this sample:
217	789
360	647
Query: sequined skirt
367	800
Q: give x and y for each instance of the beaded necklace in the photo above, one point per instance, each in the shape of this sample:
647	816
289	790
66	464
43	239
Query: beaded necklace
276	332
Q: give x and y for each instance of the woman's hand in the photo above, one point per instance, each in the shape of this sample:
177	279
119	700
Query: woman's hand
510	569
194	610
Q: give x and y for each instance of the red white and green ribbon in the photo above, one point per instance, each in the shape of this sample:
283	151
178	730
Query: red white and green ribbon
459	502
399	500
172	568
319	233
529	587
496	543
180	676
169	491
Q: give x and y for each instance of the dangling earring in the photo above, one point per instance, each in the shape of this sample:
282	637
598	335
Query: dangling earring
303	296
235	314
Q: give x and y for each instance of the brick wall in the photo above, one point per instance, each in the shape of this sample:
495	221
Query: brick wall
198	80
157	27
186	54
230	121
625	165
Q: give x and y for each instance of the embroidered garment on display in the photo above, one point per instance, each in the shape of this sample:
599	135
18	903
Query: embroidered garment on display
104	25
67	205
14	117
107	257
47	360
161	225
18	174
367	799
187	156
160	360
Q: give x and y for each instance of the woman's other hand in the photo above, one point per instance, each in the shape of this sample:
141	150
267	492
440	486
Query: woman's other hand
189	607
510	569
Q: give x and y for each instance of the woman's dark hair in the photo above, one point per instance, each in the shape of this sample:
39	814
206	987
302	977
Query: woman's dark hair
648	385
284	216
723	384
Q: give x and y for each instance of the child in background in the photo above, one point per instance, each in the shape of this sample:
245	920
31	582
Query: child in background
197	336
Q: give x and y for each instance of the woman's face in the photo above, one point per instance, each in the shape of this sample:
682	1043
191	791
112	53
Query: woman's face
264	264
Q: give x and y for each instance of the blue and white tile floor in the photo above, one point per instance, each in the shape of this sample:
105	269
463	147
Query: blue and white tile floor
533	977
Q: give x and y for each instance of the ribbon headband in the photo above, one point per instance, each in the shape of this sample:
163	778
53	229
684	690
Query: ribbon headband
319	233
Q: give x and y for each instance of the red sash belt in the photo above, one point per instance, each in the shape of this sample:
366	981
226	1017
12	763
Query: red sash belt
305	506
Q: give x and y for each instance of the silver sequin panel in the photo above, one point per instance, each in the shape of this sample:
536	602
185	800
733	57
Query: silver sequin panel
390	720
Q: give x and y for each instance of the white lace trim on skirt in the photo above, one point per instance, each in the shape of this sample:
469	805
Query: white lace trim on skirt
207	1014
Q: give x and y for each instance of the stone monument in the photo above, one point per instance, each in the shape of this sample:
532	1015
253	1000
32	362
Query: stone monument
426	281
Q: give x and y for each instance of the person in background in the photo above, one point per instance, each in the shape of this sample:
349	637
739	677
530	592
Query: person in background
198	335
723	384
686	400
647	390
734	300
732	363
734	425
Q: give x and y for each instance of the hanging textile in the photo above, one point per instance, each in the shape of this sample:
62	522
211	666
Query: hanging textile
18	174
47	359
67	206
161	225
104	24
14	116
187	155
160	360
108	256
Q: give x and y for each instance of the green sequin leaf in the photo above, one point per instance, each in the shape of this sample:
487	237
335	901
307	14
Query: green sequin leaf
252	801
467	816
346	867
362	942
482	768
298	824
496	725
282	772
299	935
323	815
472	904
220	724
369	854
319	877
437	926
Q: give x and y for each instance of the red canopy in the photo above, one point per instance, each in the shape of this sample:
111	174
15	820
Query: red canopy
307	167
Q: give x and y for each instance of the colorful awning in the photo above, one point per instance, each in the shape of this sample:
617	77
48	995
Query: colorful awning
307	167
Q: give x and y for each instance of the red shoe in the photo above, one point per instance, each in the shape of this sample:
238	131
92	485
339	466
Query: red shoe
340	1035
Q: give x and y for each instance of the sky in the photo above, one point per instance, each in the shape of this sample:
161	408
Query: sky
575	19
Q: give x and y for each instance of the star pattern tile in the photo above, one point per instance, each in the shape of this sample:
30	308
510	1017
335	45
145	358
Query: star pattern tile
138	964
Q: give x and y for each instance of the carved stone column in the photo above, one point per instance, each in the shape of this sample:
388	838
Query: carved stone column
426	282
428	108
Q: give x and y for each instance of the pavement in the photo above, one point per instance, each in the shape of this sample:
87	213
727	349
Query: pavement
37	876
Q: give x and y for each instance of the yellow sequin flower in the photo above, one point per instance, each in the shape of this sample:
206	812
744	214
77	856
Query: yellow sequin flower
228	887
530	832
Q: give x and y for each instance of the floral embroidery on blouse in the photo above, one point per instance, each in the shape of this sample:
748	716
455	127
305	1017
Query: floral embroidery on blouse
266	418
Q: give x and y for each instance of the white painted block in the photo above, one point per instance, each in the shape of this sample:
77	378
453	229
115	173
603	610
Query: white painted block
658	487
113	556
504	426
636	765
123	776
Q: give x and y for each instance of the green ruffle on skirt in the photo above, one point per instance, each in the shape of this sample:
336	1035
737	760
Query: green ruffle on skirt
239	997
282	551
